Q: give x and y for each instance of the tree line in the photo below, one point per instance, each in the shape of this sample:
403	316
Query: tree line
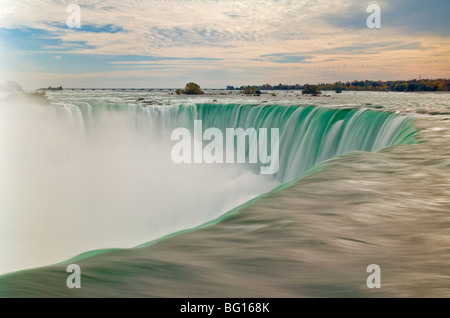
423	85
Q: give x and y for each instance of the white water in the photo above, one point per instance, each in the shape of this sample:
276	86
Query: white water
71	183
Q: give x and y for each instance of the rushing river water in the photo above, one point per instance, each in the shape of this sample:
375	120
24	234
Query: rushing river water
364	179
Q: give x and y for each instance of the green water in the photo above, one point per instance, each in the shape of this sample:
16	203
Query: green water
309	135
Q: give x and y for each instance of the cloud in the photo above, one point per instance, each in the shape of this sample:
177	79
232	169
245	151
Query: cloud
197	36
285	58
370	48
89	28
151	59
406	16
234	39
86	63
33	39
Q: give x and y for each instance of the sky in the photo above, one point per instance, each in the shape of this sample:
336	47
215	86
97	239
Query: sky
215	43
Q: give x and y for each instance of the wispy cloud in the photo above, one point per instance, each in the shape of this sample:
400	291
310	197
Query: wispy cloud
228	39
90	28
285	58
406	16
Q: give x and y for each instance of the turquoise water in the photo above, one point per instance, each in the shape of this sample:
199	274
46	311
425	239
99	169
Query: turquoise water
312	236
310	135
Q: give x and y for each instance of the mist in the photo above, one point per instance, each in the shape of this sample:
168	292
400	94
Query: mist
74	179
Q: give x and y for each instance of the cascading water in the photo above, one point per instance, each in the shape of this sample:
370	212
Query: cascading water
89	175
309	135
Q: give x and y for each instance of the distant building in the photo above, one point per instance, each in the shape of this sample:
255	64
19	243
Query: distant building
230	88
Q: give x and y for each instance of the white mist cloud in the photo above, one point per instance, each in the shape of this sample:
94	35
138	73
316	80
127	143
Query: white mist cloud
73	183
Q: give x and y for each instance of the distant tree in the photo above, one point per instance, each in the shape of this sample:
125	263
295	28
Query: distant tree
266	87
442	86
249	90
311	89
412	87
192	89
365	85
